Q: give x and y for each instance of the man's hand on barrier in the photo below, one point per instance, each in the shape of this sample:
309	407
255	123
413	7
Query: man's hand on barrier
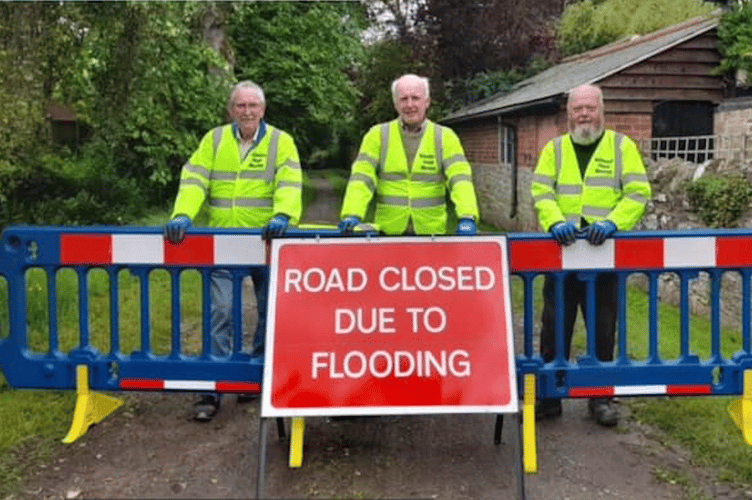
598	232
347	224
466	227
277	226
564	232
174	230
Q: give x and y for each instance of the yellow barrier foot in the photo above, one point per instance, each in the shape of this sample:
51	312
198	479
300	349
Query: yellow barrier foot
296	442
529	446
741	410
91	407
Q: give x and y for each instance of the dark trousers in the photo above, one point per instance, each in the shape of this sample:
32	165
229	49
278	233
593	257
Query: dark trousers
575	296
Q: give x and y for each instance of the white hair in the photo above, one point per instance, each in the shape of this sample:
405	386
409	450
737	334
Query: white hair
246	84
421	79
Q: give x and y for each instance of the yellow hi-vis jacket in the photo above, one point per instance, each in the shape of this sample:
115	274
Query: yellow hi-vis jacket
615	186
417	191
243	193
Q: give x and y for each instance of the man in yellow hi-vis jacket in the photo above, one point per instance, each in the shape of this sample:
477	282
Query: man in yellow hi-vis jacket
590	180
408	164
248	173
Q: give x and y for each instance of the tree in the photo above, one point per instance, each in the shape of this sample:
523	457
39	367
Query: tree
303	54
735	36
592	23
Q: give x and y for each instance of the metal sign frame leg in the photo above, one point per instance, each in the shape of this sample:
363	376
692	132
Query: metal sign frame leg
261	477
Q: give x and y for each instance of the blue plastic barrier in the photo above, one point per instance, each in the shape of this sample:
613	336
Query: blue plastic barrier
141	251
683	253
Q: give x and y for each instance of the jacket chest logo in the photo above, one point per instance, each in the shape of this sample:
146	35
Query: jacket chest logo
426	163
257	161
604	166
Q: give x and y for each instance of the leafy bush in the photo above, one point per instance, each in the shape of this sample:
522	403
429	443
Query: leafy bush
735	39
720	201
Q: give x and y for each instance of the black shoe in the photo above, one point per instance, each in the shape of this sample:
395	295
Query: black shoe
205	408
547	408
604	411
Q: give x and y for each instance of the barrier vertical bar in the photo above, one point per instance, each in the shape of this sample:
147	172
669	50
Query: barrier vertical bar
206	313
715	315
237	313
623	358
560	319
590	320
653	356
528	316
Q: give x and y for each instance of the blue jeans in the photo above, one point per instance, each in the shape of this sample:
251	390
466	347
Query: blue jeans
222	317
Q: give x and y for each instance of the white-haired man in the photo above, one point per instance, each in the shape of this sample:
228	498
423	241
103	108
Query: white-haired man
408	165
591	180
248	173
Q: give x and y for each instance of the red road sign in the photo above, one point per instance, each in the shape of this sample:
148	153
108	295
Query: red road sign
389	326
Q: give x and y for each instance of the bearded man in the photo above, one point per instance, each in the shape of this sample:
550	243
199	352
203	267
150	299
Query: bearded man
589	182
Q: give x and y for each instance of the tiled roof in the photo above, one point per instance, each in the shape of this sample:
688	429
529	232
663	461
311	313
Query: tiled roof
587	67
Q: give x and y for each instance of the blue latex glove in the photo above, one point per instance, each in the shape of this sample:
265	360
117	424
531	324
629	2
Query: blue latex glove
347	224
466	227
564	232
174	230
598	232
277	226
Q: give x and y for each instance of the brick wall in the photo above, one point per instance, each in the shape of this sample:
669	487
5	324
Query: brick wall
733	117
638	126
480	141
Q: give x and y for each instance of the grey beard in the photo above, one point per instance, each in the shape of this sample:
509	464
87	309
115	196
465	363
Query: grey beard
587	136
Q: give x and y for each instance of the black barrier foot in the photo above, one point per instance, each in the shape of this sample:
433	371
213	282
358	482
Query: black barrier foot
281	428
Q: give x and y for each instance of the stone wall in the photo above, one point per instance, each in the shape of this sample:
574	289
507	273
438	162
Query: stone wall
670	210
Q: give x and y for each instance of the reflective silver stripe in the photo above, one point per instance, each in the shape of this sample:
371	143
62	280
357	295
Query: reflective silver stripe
220	203
601	182
634	178
544	179
574	219
271	161
290	184
637	197
459	178
618	161
253	174
595	211
544	196
193	182
241	202
428	202
393	176
384	145
438	139
197	170
454	159
557	157
573	189
217	139
254	202
223	176
430	177
364	178
401	201
292	164
367	158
